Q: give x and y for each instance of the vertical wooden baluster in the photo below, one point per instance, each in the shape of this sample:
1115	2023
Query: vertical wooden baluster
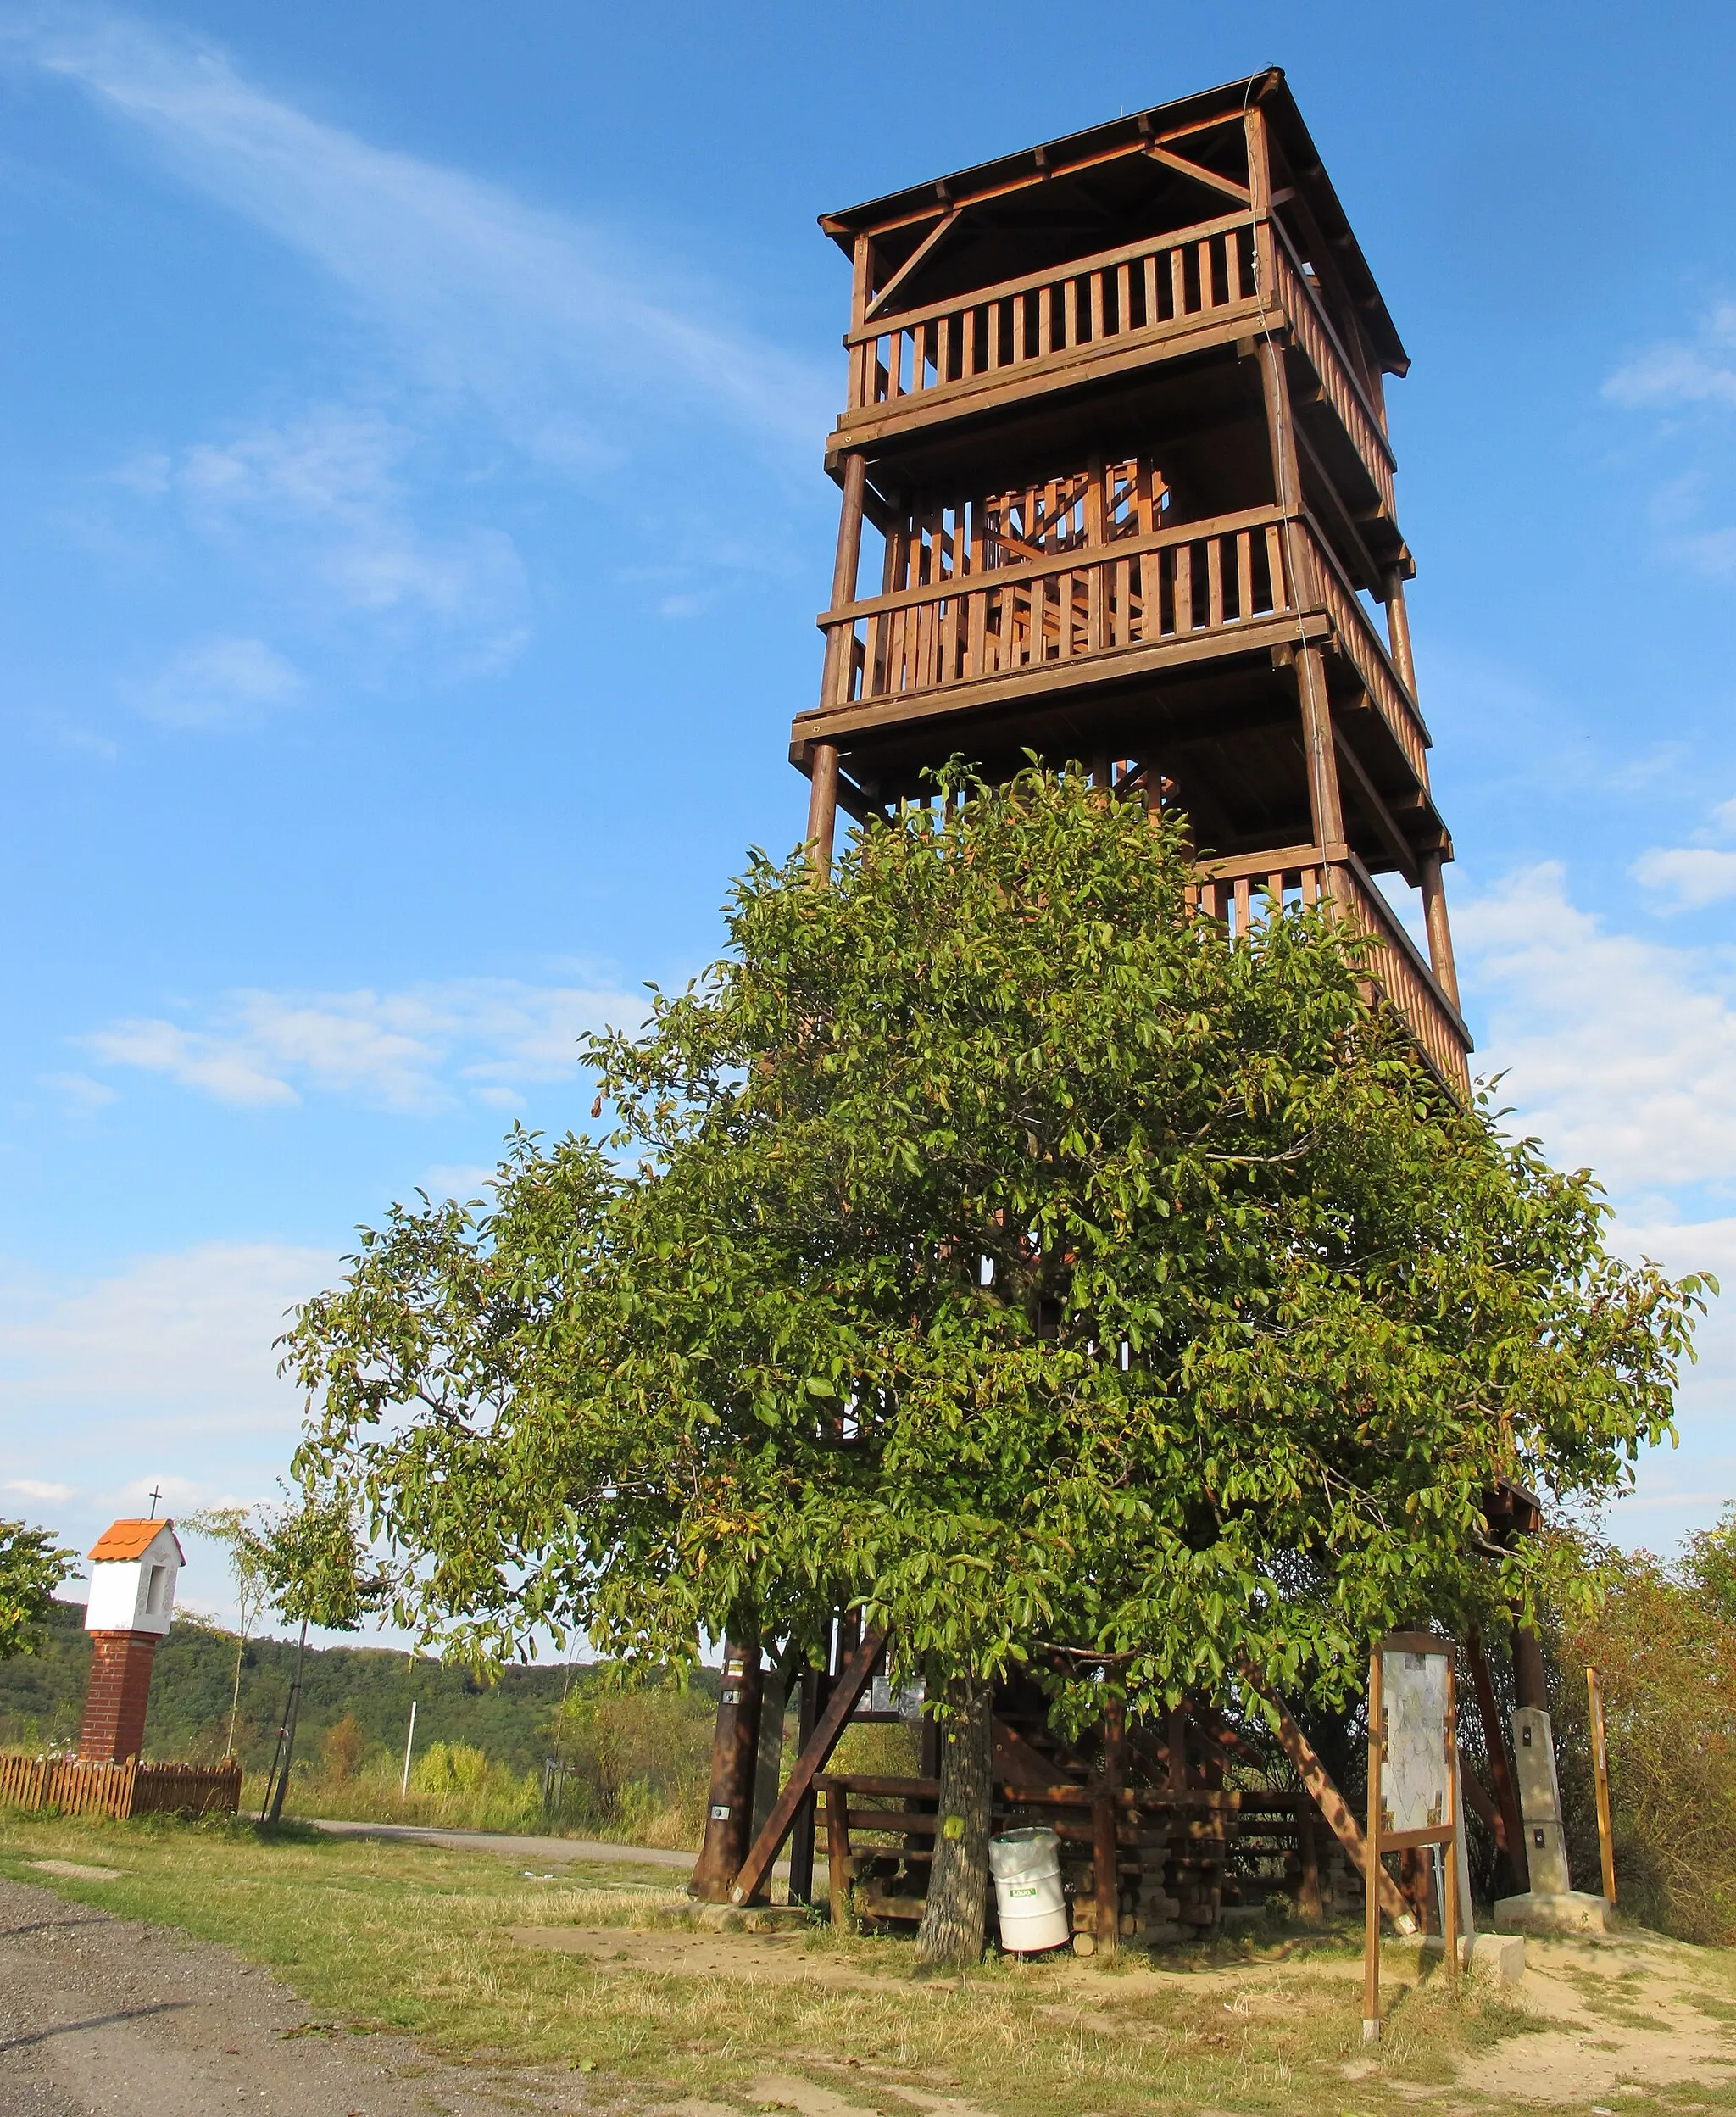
1244	575
1275	563
1214	582
1150	273
1124	603
1184	588
837	1855
1095	281
1208	291
944	351
1244	904
1176	260
1310	888
1124	299
1045	319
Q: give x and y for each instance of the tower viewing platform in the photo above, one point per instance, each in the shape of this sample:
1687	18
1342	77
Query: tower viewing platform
1116	413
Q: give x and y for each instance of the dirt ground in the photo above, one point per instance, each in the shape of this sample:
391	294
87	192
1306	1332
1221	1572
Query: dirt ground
106	2017
101	2016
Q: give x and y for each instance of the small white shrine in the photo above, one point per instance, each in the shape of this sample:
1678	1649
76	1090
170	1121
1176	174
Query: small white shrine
134	1567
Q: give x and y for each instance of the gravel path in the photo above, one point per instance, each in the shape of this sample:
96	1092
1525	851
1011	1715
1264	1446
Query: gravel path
511	1847
107	2017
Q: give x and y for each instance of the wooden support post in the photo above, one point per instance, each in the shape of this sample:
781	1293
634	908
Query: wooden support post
838	1855
1371	1895
1440	935
1398	629
735	1749
854	1678
1280	434
1530	1686
823	804
822	812
1449	1851
1105	1846
1511	1835
1325	807
1310	1901
1600	1776
802	1830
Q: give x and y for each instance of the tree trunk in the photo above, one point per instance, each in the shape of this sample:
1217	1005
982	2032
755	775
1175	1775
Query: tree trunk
950	1935
290	1719
240	1648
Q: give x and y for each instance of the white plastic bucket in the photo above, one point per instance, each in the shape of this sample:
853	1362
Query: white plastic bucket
1027	1867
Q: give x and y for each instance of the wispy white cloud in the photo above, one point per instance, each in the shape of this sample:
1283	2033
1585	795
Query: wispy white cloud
218	683
1620	1050
322	509
163	1372
415	1050
527	310
1676	372
1695	875
79	1093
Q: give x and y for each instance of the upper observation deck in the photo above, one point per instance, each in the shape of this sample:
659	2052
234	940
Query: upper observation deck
1118	261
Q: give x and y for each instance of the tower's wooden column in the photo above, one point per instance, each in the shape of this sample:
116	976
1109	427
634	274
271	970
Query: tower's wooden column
822	800
1434	894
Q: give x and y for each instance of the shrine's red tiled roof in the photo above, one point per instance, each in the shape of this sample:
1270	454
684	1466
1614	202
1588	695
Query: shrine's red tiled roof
132	1538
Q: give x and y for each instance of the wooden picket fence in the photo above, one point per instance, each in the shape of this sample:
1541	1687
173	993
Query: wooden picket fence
77	1787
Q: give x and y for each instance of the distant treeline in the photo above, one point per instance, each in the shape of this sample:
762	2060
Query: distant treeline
510	1720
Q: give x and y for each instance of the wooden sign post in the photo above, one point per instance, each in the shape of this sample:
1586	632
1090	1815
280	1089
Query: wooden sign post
1413	1785
1600	1773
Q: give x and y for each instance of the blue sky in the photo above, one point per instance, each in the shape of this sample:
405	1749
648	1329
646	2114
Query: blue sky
410	534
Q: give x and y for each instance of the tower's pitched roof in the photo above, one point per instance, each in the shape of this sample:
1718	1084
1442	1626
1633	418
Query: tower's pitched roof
1081	154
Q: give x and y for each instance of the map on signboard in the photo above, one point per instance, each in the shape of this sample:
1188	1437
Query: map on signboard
1414	1770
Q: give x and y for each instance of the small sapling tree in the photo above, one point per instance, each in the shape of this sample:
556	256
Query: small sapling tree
312	1561
243	1540
991	1244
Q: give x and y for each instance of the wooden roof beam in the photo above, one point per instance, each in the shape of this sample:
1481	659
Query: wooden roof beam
923	249
1209	177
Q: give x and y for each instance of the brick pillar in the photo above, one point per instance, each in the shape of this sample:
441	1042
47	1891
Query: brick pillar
119	1691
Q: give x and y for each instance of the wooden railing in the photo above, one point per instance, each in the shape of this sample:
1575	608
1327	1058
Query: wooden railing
1172	584
1368	650
1238	892
78	1787
1167	284
1194	582
1314	335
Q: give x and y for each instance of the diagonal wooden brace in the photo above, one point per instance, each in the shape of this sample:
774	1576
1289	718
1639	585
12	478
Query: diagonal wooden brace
1329	1800
852	1679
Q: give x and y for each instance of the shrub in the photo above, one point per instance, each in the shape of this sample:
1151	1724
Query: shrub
342	1750
1664	1642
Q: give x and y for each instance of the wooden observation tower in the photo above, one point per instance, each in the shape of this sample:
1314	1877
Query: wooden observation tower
1115	428
1117	419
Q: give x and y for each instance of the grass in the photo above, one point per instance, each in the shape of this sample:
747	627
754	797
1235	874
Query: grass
414	1938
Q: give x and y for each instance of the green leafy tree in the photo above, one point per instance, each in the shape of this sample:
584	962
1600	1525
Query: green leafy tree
990	1242
32	1566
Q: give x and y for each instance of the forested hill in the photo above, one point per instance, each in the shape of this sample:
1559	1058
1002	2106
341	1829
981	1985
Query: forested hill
41	1696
